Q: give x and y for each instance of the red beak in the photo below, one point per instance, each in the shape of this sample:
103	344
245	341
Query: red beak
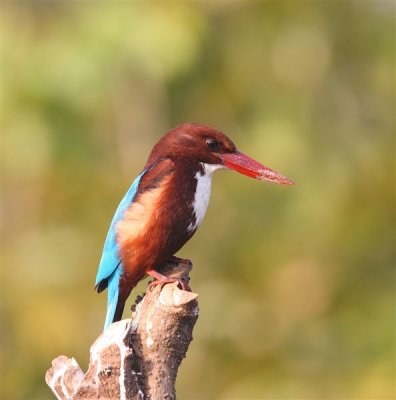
247	166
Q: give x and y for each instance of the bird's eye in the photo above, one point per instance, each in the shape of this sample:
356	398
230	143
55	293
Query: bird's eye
212	144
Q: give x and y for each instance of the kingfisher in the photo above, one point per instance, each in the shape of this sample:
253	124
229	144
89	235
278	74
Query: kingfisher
165	206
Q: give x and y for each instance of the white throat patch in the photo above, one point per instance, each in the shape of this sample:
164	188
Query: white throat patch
202	193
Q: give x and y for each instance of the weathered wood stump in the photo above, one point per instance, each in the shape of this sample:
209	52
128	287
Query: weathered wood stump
136	358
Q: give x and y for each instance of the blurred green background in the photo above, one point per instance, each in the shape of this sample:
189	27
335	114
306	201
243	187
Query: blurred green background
296	284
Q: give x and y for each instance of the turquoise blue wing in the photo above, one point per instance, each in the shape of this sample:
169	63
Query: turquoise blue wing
110	266
110	259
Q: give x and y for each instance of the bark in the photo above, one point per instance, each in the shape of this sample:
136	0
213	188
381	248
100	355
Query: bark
136	358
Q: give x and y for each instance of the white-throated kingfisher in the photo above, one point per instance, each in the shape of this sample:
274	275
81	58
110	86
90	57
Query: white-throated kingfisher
165	206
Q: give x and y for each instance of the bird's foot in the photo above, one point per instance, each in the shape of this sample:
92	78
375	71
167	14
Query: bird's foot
162	280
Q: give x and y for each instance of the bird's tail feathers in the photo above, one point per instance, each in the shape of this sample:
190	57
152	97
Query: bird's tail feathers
115	298
112	297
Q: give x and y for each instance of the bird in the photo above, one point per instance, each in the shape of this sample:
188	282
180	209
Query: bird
164	207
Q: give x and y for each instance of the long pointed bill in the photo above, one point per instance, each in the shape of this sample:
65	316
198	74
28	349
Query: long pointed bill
247	166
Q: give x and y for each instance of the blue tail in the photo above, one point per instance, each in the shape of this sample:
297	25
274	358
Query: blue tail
112	296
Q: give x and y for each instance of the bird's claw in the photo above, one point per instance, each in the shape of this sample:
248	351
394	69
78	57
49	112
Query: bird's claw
181	283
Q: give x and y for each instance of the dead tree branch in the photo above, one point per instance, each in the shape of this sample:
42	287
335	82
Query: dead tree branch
137	358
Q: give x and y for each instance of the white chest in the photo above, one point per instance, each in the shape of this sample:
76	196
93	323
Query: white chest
202	193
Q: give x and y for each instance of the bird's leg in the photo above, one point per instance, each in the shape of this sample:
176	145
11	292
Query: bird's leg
174	270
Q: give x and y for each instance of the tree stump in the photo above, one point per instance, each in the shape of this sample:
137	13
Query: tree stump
136	358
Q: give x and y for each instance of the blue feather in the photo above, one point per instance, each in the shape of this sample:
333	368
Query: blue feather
110	266
112	296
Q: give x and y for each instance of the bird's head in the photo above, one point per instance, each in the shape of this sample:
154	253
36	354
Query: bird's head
200	143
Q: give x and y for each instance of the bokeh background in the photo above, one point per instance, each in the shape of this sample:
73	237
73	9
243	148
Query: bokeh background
296	284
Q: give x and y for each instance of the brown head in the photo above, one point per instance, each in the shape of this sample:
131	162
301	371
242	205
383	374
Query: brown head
198	143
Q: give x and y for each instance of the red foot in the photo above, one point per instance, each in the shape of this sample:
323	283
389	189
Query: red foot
162	280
